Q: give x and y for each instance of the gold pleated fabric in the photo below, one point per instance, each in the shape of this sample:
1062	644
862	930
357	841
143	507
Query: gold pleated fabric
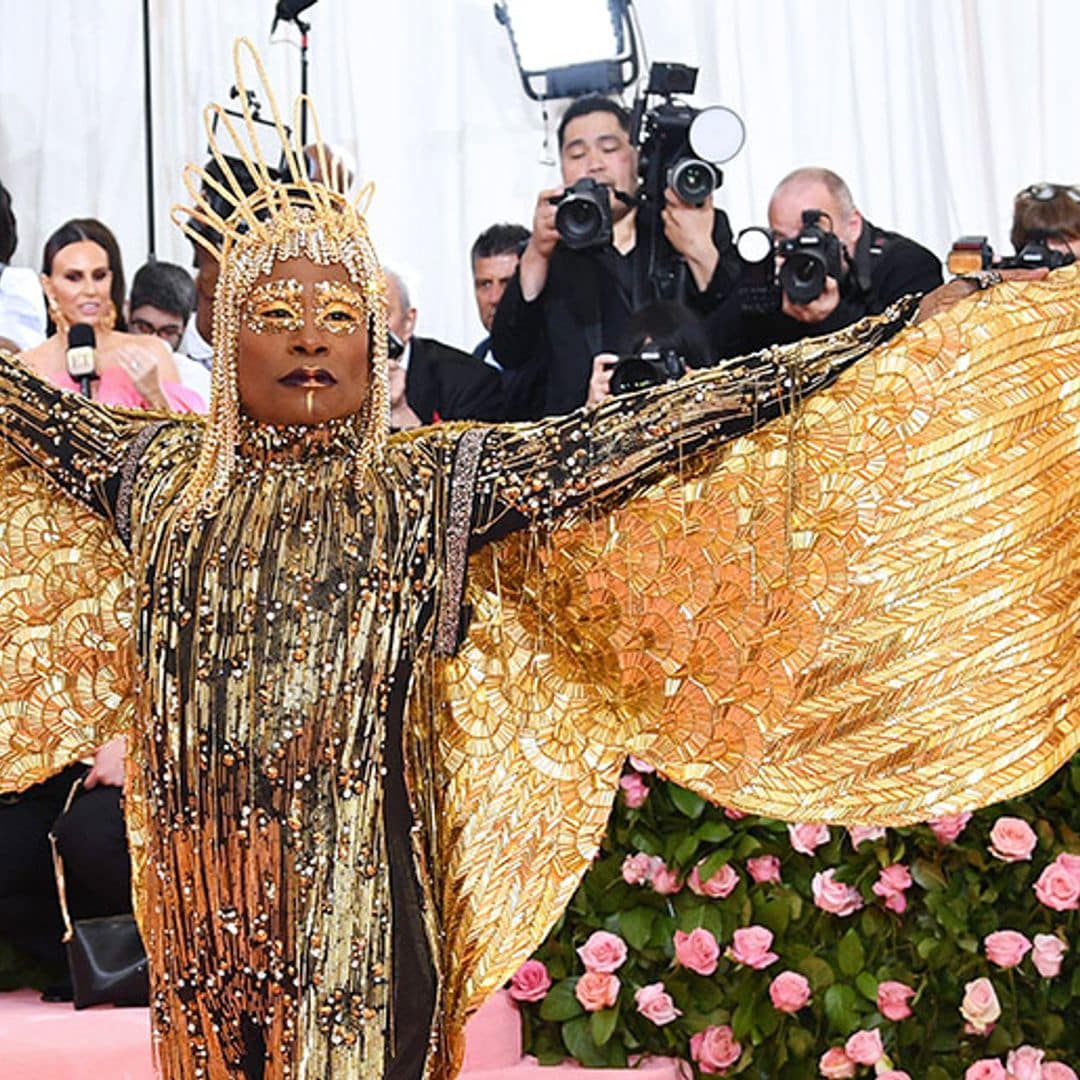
867	614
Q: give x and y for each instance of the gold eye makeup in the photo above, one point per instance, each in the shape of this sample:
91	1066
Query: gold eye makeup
339	308
275	307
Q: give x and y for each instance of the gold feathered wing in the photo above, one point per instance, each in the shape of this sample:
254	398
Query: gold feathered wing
65	629
868	613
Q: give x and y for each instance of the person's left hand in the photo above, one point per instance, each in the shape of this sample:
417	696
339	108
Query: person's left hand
141	362
689	230
108	767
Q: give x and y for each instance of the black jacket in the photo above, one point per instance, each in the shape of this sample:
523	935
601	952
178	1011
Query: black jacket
449	384
886	267
587	299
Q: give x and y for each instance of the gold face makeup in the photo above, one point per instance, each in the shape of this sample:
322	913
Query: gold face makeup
275	307
339	308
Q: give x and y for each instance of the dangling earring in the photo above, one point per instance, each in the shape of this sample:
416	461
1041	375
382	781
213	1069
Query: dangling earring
57	316
108	318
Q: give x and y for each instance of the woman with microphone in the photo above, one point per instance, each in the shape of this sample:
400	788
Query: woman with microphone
83	280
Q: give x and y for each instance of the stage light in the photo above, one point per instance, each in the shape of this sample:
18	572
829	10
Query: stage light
565	48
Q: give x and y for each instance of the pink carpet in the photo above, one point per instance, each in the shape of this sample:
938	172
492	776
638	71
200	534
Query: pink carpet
54	1042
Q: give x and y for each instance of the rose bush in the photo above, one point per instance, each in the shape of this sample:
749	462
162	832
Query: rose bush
743	964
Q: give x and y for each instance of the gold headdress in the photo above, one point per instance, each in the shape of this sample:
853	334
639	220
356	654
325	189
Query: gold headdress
278	220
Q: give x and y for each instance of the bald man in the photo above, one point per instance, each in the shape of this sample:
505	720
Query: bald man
876	268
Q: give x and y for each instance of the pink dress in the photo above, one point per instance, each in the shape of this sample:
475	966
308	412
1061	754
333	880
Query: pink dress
116	388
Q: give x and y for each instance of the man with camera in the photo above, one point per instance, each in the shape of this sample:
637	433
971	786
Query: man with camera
580	276
829	268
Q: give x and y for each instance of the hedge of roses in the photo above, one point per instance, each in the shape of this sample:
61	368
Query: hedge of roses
756	948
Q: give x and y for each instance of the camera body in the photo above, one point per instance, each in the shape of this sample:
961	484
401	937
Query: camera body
973	253
650	367
809	258
583	214
680	147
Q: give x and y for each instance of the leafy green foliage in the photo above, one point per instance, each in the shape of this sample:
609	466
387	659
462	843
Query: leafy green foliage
960	893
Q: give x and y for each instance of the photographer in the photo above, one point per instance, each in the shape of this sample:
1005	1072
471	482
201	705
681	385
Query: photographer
566	305
867	270
1050	213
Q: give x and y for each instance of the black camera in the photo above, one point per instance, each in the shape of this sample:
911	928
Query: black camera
809	258
682	148
583	217
649	368
972	253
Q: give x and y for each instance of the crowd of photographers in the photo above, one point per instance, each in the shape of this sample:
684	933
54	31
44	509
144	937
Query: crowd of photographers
629	275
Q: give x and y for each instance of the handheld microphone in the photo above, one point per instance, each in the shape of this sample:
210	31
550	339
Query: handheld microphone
81	359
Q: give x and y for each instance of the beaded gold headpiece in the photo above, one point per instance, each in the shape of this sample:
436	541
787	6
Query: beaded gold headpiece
279	219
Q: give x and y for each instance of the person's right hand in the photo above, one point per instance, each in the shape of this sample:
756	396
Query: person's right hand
600	381
818	309
533	268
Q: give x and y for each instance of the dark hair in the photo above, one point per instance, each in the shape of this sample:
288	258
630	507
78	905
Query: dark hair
9	234
166	286
1032	217
667	324
593	103
77	231
501	239
223	205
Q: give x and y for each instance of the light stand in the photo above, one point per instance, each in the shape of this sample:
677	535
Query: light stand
289	11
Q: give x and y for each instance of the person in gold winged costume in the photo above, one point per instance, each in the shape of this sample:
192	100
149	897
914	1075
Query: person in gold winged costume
380	688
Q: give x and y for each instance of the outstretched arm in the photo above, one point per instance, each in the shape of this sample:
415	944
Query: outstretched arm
82	446
597	458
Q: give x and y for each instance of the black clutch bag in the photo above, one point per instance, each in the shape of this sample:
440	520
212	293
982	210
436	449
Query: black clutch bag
105	955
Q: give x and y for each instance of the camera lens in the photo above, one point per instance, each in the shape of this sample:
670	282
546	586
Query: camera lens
692	180
803	276
578	220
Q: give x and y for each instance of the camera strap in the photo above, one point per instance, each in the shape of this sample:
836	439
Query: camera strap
869	248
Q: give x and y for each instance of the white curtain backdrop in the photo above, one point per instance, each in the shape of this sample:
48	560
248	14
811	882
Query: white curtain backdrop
935	111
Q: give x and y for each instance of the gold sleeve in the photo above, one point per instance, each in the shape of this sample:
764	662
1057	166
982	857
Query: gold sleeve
866	612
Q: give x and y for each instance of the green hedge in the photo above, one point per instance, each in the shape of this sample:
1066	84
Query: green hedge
930	936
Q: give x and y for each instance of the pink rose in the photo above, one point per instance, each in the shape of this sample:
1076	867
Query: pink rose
750	946
836	1065
1047	955
597	990
721	884
806	838
764	868
1006	948
530	982
635	790
948	828
890	886
1058	1070
1025	1063
893	1074
892	1000
980	1007
789	991
1070	862
638	868
986	1069
665	881
1058	886
655	1004
734	815
834	896
860	833
1012	839
641	766
603	952
697	951
864	1047
714	1049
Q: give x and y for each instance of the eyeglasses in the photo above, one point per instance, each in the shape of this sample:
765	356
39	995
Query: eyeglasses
171	332
1044	192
